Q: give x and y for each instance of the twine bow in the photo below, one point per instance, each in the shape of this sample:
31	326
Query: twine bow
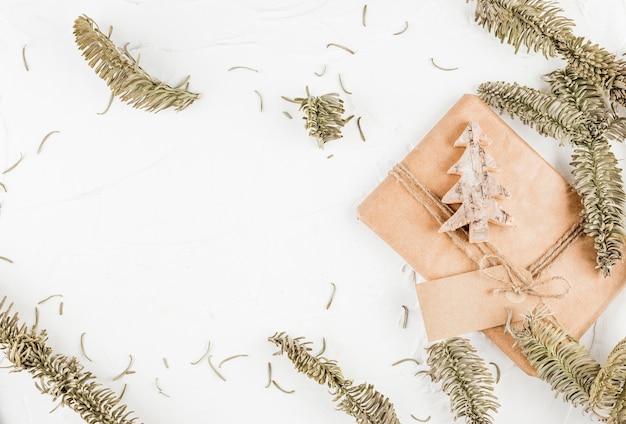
520	282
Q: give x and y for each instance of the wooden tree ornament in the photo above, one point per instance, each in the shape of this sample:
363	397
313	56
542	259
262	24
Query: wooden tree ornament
476	190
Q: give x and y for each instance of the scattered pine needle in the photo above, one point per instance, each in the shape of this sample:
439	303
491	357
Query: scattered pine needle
269	375
126	370
12	167
332	295
287	114
3	187
243	67
108	105
167	365
406	316
441	67
203	355
281	389
341	47
364	15
82	347
44	140
24	58
342	86
230	358
323	347
61	308
358	124
215	369
158	386
322	73
123	392
260	100
425	420
406	26
401	361
4	258
48	298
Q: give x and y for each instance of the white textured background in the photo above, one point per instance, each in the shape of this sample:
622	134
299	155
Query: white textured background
224	223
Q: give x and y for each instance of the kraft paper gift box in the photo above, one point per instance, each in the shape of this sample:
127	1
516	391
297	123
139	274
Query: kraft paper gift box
458	297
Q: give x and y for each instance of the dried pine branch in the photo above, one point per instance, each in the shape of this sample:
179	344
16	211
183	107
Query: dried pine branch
539	26
606	396
598	180
323	116
535	24
559	360
544	112
123	74
464	377
362	402
576	112
57	375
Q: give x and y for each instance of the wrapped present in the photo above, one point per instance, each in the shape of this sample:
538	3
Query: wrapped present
544	257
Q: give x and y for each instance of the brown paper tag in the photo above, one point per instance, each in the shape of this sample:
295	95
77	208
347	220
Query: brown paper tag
468	302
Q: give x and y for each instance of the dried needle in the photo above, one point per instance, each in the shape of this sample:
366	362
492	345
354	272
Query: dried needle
406	316
281	389
269	374
12	167
260	100
406	26
24	57
82	346
425	420
126	371
203	355
230	358
401	361
322	73
342	86
215	369
48	298
108	105
364	15
497	380
358	124
340	46
332	295
44	140
441	67
242	67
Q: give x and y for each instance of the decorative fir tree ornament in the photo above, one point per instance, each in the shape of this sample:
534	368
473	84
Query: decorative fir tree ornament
477	189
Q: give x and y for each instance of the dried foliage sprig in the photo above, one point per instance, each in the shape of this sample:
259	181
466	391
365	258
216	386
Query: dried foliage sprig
123	74
323	116
362	401
57	375
538	25
559	360
464	377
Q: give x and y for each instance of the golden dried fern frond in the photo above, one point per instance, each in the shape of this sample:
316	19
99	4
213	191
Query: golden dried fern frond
123	74
559	360
323	116
362	402
63	378
465	378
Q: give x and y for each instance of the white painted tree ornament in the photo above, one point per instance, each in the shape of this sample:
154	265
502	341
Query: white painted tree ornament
476	190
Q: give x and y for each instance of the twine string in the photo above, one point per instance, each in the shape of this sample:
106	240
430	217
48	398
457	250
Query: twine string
516	280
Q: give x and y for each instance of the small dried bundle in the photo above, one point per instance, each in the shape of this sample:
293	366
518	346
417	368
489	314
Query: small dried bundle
323	116
362	402
464	377
123	74
559	360
57	375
